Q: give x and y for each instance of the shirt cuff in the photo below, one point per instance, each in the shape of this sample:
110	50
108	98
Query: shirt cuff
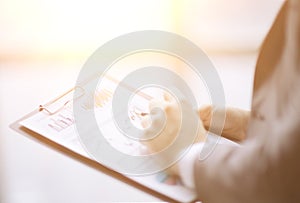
186	165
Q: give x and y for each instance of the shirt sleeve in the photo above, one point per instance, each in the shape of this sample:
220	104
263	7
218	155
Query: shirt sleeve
186	164
267	167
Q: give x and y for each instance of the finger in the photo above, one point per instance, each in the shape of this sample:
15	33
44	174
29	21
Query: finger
146	121
205	113
156	103
168	97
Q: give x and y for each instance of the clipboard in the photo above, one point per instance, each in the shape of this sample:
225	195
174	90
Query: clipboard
53	107
89	162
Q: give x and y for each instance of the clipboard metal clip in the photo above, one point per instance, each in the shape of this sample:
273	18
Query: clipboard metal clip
59	103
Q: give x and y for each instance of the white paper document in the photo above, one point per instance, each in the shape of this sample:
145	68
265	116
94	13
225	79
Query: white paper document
56	122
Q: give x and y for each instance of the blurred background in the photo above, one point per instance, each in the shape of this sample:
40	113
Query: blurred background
43	45
42	29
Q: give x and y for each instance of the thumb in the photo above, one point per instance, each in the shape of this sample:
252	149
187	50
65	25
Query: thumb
205	113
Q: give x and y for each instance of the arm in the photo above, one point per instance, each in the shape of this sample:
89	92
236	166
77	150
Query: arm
266	168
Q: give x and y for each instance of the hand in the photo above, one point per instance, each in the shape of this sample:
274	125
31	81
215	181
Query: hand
172	119
236	122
